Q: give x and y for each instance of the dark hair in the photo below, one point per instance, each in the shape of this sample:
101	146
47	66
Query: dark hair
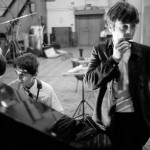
27	62
123	12
2	64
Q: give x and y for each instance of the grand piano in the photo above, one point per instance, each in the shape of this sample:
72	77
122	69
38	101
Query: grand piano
23	129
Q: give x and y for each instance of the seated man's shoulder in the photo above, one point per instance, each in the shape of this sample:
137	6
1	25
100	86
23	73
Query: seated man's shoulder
46	85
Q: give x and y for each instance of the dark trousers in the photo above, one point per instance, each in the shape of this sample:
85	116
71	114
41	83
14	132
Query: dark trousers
128	132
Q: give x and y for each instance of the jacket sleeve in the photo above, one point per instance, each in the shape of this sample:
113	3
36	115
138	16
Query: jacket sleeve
145	83
102	68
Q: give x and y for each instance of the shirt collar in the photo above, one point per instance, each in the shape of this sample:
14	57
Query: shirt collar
33	87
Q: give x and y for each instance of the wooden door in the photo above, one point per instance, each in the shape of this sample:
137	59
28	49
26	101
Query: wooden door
82	30
88	28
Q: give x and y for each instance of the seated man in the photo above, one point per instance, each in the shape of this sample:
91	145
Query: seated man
29	87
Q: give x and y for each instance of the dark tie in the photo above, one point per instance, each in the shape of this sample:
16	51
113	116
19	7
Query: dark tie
38	105
30	95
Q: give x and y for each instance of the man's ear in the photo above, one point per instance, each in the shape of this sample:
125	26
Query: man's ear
110	26
34	77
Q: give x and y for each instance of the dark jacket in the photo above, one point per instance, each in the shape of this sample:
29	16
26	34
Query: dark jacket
103	71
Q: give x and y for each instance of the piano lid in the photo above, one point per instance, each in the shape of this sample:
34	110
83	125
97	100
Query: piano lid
22	126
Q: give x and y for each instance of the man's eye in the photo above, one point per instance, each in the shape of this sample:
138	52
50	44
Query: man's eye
133	26
124	27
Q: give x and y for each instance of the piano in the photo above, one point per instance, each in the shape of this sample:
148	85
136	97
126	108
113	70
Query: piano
23	129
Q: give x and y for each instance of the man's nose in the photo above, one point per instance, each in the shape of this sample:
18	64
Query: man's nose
128	30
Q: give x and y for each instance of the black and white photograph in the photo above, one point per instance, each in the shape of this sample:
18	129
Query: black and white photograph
75	74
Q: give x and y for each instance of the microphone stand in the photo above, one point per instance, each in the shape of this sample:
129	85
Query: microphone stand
82	104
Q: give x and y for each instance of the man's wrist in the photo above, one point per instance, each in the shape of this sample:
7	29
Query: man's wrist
116	59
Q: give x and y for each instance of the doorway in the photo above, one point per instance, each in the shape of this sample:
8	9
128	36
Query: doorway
88	28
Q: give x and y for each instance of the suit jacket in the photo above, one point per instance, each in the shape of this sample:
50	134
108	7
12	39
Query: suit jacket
103	71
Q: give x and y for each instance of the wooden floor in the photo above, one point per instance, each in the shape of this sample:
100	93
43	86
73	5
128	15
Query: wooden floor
51	70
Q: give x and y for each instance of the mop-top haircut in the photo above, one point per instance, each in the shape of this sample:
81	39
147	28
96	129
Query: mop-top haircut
124	12
28	62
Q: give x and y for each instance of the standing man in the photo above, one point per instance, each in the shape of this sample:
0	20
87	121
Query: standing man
120	69
29	87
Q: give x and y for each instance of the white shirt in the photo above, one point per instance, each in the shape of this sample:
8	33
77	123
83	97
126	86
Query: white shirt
46	95
124	101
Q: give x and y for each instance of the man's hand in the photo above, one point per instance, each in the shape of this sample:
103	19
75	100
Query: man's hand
119	48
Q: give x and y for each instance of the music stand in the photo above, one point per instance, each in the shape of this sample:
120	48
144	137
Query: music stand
81	104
